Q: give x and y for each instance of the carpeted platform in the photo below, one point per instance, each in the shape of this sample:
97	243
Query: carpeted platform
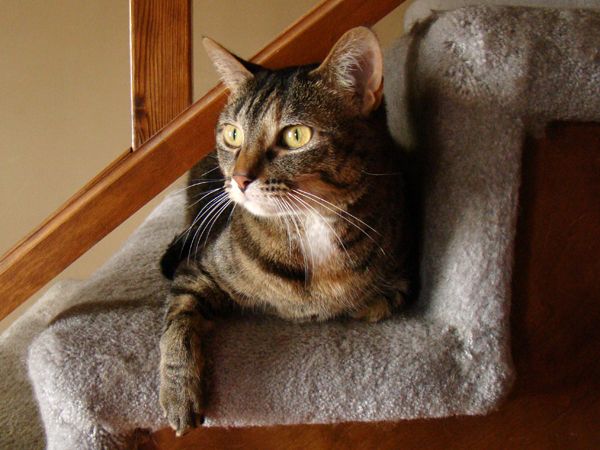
463	89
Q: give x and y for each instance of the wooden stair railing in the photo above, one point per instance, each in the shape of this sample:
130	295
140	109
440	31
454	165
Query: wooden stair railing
138	176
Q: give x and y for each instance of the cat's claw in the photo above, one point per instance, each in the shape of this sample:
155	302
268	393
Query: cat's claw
182	405
374	312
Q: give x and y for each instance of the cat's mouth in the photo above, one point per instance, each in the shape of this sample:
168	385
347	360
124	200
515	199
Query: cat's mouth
270	199
257	199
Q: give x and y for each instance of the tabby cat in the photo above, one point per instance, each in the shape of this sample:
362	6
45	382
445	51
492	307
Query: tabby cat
299	212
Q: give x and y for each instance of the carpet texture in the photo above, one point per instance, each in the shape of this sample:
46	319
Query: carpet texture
463	90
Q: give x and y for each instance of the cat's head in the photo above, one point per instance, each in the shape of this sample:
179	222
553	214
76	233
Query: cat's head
299	138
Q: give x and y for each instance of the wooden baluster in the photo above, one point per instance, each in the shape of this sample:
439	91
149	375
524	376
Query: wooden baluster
161	64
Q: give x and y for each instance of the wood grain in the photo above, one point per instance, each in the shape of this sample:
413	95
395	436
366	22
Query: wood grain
556	338
161	64
138	176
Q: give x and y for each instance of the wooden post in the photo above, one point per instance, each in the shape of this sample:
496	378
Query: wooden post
161	64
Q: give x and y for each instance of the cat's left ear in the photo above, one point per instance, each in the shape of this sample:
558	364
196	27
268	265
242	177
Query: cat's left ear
355	64
233	70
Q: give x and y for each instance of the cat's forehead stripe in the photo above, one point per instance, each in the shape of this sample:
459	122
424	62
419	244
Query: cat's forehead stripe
266	94
269	90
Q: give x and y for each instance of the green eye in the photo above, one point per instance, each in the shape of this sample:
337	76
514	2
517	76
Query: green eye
233	136
296	136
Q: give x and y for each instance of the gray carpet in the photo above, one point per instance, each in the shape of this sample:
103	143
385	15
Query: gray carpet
463	89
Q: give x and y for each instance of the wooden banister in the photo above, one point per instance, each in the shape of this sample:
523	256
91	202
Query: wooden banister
137	176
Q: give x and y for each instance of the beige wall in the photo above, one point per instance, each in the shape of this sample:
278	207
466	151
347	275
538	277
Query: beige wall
64	110
244	27
64	97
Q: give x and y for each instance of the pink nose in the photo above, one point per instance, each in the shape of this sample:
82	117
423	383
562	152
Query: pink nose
242	181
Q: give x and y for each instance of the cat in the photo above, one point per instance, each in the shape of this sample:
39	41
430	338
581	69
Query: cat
300	212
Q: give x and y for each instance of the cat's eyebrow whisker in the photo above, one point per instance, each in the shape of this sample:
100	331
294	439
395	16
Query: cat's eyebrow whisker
343	211
324	220
316	200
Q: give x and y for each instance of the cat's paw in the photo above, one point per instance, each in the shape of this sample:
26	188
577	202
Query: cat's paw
375	311
398	300
181	368
181	400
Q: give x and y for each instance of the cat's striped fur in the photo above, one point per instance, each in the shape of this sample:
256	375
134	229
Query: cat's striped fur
317	232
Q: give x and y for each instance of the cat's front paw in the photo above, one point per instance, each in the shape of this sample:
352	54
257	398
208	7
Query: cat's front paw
181	368
181	399
374	311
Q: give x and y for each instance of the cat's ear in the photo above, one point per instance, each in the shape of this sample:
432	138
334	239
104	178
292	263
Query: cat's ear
355	64
233	70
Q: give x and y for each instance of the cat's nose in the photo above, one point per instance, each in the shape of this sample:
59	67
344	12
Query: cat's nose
242	180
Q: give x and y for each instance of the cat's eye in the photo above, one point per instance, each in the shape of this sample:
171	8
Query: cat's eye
296	136
233	136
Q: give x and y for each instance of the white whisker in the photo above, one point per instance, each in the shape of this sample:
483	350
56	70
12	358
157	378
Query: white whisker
177	191
324	220
223	208
283	219
203	213
202	227
206	194
320	201
204	207
231	214
207	172
382	174
300	191
299	237
187	231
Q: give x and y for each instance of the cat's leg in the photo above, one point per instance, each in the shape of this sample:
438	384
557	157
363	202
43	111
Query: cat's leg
192	299
182	364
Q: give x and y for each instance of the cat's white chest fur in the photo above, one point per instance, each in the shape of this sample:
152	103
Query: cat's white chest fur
319	239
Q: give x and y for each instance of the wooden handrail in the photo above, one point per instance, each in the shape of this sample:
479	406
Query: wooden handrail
116	193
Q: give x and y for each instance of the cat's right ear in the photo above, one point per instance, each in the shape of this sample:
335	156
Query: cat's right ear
232	70
355	65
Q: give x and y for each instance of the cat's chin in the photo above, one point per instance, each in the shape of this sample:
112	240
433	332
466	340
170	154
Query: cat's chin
257	210
257	207
265	211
